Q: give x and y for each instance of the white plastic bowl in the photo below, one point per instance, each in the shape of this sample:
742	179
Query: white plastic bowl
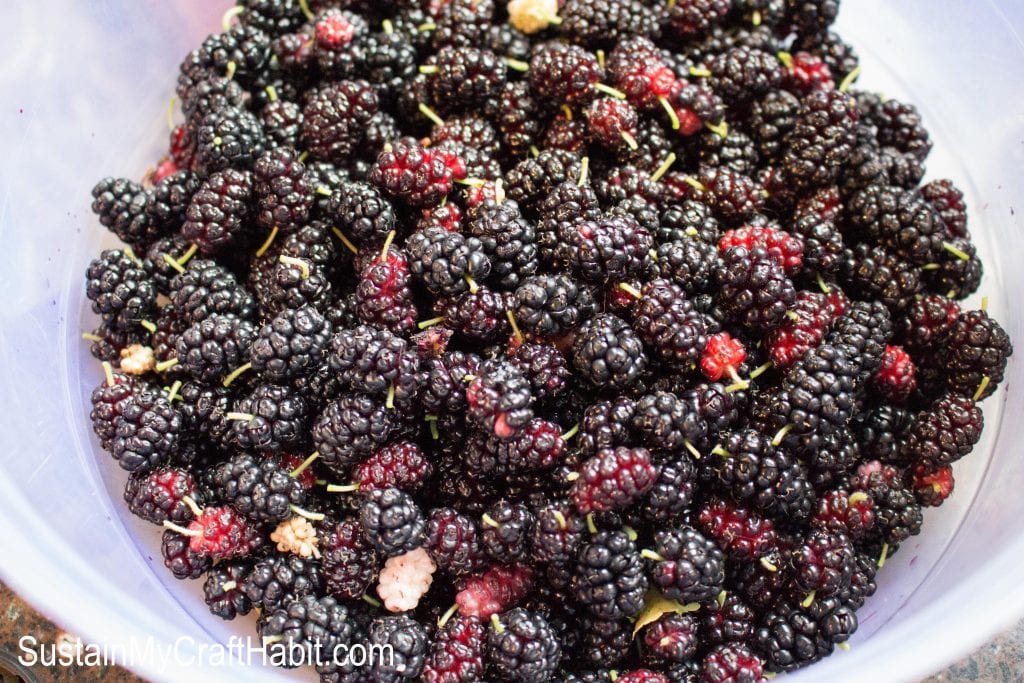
85	88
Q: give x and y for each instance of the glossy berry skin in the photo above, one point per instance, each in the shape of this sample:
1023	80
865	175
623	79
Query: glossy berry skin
944	432
613	478
611	249
928	323
691	568
496	590
783	248
391	521
673	638
401	465
452	540
733	663
721	356
420	177
499	399
844	512
523	647
349	563
222	534
823	563
932	486
609	580
457	653
895	378
741	534
158	495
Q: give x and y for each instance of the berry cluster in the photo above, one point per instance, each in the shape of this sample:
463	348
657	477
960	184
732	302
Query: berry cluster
586	340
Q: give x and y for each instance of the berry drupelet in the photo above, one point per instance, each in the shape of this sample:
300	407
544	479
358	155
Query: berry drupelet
391	521
158	495
269	419
420	177
944	432
123	206
349	563
613	478
667	323
608	354
120	289
353	427
457	652
754	290
464	78
609	580
283	190
685	565
499	399
975	355
280	578
212	348
218	212
334	119
522	647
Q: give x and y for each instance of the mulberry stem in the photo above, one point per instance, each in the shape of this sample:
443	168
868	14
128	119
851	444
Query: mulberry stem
304	465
